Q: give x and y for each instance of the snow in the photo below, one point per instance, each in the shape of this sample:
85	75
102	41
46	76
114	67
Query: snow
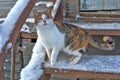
111	26
48	4
97	26
9	23
9	45
33	70
30	20
77	16
95	63
25	28
2	19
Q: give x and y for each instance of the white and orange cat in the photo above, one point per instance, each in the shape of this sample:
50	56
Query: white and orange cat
56	36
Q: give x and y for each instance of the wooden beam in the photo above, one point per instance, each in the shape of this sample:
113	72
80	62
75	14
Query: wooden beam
82	74
32	35
13	56
104	32
14	35
98	14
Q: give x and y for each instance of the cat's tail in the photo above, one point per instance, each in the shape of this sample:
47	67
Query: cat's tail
107	44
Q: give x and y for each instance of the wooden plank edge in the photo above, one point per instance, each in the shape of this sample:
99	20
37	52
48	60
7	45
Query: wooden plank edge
82	74
33	35
104	32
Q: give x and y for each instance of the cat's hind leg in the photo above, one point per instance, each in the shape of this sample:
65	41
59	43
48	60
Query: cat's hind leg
75	58
76	55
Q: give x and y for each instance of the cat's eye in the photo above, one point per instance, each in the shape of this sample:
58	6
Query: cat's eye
39	18
110	42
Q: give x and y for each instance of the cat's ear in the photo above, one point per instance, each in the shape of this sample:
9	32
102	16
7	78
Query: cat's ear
49	11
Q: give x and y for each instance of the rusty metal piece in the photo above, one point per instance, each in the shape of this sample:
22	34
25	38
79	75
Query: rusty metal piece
1	65
2	74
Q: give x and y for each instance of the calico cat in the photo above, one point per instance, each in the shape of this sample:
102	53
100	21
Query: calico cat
56	36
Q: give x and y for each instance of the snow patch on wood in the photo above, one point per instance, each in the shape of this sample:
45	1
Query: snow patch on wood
55	8
9	23
46	3
33	71
95	63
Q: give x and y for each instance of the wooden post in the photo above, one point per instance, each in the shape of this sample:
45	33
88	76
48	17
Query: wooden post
13	56
14	34
77	6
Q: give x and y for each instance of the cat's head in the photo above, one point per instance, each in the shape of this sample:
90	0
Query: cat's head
43	18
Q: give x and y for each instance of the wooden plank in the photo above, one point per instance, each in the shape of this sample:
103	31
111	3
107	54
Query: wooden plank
32	35
13	55
7	0
2	60
99	4
3	13
93	17
100	14
104	32
6	5
3	3
2	74
82	74
77	6
93	20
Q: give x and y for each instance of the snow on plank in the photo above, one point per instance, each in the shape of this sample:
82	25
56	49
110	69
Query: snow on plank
94	66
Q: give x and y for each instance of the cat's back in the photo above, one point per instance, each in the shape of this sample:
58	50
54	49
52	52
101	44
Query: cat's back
67	27
76	37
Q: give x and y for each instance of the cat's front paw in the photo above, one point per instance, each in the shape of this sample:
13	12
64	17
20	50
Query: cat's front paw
52	63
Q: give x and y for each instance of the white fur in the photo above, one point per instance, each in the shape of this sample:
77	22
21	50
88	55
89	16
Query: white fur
52	39
76	53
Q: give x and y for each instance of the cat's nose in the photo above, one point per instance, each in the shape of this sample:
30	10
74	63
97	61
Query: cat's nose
44	22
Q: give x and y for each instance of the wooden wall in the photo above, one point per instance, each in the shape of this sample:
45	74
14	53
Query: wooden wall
99	4
5	6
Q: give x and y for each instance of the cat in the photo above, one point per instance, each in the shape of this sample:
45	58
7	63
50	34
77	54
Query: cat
56	36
